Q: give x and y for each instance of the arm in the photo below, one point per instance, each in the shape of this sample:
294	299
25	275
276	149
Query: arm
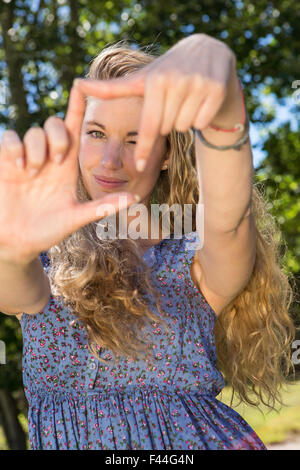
23	287
224	264
225	177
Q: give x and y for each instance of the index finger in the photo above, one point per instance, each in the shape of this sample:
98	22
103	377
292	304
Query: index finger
113	88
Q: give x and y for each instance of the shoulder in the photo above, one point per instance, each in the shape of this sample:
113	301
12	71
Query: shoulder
178	250
186	245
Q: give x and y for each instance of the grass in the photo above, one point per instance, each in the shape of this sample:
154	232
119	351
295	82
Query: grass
271	426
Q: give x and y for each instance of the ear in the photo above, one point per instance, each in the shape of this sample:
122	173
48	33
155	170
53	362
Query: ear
165	162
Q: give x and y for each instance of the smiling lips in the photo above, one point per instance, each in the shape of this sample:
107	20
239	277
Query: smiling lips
109	182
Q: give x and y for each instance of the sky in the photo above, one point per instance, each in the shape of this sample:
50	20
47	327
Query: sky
259	133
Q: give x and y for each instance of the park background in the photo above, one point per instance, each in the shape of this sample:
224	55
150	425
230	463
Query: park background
45	44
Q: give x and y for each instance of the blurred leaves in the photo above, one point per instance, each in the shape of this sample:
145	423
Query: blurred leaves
53	41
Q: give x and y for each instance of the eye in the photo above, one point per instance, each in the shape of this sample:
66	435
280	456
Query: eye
131	142
93	134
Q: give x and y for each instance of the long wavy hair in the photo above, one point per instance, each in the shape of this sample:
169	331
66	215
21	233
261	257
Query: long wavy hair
106	283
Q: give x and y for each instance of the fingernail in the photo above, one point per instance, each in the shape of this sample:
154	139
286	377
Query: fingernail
140	165
20	163
33	171
58	157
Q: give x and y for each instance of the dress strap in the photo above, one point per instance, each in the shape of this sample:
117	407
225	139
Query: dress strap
45	260
191	243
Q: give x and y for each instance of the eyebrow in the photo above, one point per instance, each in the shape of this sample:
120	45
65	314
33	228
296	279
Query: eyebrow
95	123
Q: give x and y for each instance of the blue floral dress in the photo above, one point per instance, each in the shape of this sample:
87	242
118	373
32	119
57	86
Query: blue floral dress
78	402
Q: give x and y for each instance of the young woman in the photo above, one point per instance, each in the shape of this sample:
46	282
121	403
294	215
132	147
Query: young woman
127	342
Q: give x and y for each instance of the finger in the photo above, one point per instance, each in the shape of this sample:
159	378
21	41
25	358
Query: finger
12	149
35	145
114	88
57	137
74	118
187	113
94	210
209	108
190	107
151	119
174	98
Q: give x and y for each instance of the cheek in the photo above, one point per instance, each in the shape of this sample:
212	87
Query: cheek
88	155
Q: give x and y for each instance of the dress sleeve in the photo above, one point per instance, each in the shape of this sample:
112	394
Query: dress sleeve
23	317
45	260
191	243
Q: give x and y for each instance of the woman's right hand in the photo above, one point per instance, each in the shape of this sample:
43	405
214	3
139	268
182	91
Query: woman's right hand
40	210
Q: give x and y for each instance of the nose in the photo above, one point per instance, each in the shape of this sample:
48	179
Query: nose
111	158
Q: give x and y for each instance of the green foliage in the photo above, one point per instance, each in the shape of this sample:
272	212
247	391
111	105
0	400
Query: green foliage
46	47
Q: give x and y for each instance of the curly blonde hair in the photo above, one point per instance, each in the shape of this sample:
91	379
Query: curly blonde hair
106	282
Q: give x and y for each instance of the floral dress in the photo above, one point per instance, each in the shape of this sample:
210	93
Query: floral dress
168	402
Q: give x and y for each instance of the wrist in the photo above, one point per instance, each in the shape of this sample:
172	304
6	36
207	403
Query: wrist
232	111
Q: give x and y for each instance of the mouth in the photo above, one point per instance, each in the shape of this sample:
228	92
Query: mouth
109	182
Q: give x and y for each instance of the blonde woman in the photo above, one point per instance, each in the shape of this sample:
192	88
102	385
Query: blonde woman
127	342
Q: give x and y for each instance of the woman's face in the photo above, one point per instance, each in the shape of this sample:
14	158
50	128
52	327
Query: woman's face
108	140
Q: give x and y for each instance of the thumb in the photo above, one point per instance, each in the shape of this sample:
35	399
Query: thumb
87	212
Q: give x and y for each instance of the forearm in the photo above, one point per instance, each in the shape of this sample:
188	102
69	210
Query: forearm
226	180
225	177
22	287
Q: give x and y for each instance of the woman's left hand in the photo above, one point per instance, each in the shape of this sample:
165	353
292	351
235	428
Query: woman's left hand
193	84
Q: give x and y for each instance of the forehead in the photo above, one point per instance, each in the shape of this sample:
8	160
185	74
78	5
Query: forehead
128	108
